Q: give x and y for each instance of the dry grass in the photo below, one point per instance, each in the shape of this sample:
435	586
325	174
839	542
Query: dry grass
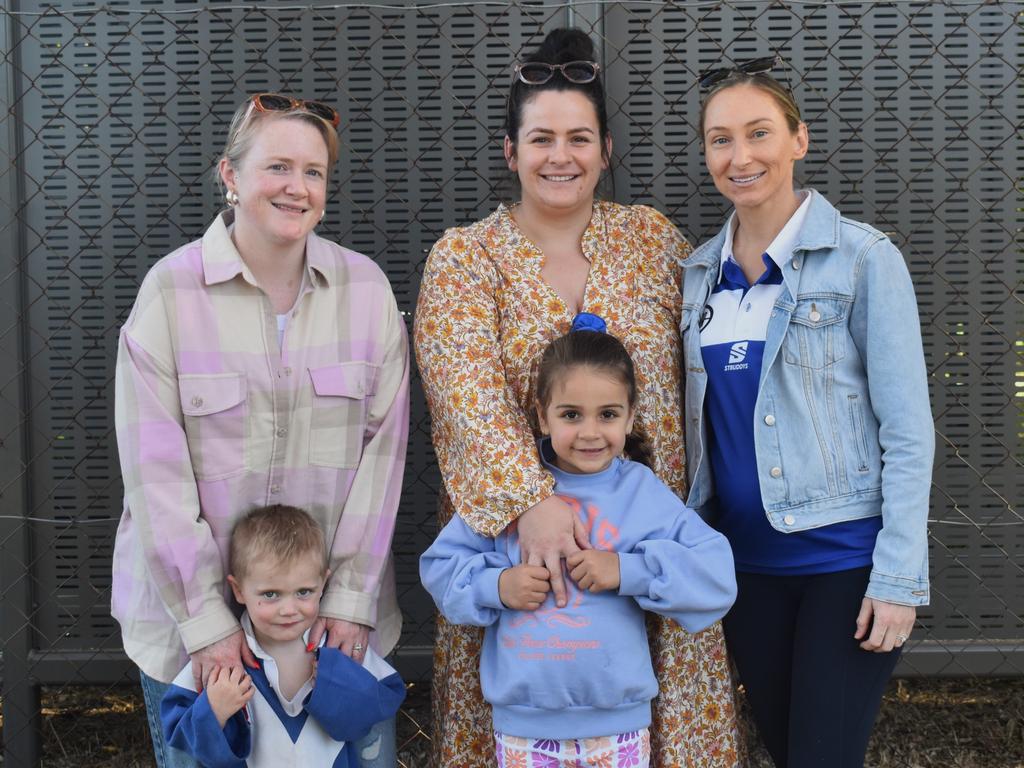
933	723
923	724
954	724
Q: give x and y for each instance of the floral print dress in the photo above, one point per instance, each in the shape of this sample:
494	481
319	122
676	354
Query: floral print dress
484	317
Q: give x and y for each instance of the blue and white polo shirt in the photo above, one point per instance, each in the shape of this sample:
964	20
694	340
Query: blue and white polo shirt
733	327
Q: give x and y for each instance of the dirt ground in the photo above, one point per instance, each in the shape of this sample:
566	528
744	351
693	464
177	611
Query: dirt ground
971	723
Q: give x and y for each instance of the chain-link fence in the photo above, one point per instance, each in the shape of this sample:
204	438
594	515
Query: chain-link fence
110	120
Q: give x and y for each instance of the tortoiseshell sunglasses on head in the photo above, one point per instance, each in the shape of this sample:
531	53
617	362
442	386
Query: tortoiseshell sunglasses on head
275	102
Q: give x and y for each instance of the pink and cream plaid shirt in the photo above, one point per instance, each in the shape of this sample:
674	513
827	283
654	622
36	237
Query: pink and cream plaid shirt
215	417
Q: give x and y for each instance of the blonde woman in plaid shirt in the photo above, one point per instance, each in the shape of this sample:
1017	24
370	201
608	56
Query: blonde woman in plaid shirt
261	364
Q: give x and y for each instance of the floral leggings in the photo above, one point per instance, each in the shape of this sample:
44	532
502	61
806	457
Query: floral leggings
623	750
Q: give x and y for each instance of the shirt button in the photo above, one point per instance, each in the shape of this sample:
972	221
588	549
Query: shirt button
796	263
197	402
282	432
769	420
814	315
776	472
287	371
789	519
275	489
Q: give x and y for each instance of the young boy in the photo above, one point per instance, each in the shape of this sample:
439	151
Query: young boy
299	707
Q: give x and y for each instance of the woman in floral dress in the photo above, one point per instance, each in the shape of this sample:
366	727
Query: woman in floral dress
494	294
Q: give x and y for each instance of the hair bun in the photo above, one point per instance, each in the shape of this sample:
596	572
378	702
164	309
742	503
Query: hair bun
565	44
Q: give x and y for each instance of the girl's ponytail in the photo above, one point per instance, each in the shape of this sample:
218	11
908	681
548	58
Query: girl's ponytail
638	447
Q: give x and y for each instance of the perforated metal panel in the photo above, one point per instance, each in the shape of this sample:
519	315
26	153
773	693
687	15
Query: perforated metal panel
915	116
123	116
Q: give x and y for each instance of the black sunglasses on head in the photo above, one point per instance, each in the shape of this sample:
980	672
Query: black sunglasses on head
712	77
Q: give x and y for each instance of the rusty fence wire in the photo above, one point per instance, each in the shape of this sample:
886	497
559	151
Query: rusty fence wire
111	117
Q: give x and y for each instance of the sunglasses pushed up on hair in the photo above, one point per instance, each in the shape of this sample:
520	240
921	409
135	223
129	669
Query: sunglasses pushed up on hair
709	78
276	102
538	73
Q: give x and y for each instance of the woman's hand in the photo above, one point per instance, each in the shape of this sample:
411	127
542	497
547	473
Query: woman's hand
350	638
890	625
549	531
230	652
229	690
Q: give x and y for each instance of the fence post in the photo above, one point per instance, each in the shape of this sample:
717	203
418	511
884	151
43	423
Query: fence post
589	16
19	690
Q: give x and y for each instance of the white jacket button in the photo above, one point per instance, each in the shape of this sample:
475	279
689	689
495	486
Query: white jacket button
775	472
789	519
769	420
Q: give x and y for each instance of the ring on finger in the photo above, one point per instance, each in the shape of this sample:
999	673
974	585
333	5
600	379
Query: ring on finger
900	640
357	648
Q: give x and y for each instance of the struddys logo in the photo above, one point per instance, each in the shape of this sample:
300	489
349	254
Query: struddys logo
738	357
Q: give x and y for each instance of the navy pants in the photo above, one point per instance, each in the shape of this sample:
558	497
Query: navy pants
814	693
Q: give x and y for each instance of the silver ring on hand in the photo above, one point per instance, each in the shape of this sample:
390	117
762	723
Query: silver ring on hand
357	648
900	640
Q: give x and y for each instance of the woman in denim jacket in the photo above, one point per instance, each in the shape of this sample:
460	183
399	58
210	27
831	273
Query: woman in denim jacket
809	433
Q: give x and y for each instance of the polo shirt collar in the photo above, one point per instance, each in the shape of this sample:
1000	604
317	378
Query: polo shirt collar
781	248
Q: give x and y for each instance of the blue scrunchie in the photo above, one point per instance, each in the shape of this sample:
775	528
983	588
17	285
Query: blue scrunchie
587	321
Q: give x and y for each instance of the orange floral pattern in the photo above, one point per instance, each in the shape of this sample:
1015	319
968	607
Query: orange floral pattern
484	316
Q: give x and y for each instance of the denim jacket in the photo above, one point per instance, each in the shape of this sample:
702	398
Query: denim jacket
842	424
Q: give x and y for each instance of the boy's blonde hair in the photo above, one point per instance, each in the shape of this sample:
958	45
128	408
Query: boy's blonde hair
277	532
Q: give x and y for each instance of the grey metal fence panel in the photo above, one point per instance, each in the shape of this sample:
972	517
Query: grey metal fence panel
915	116
112	116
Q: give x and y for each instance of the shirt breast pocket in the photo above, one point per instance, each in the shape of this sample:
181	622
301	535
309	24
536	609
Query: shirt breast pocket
216	416
816	337
338	420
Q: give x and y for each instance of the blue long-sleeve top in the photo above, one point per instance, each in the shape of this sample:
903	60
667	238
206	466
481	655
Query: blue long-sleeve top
315	727
585	670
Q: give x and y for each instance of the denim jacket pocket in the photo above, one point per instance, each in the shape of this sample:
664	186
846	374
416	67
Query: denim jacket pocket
338	420
858	431
816	336
216	417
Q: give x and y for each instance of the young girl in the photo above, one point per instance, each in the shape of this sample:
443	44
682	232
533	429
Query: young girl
574	684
